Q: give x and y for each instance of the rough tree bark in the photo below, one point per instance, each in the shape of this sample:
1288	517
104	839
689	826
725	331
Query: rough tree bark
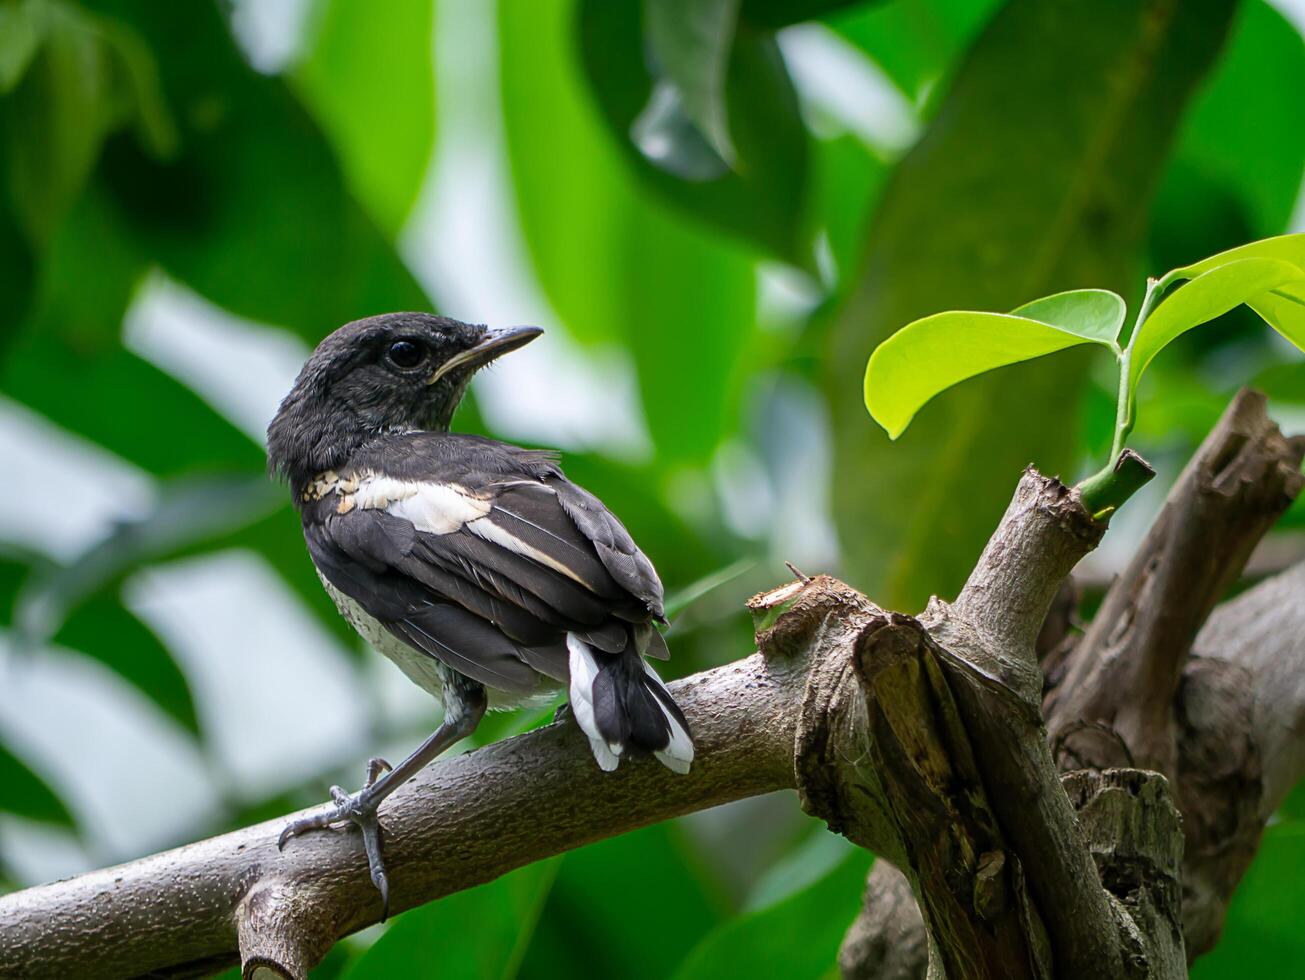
921	739
1220	713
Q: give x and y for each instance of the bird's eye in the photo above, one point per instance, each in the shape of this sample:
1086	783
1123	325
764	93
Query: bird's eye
406	353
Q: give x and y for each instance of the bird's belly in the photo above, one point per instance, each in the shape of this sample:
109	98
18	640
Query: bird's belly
425	671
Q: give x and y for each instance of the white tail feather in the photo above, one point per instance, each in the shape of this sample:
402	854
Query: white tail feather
584	671
678	754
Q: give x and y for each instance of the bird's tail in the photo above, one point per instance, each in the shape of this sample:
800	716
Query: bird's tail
620	702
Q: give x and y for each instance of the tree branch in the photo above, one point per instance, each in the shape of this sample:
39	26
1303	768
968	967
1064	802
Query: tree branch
462	822
1126	671
1228	723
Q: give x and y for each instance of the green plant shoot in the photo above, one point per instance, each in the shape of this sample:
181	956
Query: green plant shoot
928	356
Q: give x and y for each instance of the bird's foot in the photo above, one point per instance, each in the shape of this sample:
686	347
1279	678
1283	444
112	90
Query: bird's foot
358	809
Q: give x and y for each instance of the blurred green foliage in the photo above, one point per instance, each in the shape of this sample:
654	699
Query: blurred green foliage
668	178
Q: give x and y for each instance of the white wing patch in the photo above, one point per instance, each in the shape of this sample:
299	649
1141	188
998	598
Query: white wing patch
436	508
485	528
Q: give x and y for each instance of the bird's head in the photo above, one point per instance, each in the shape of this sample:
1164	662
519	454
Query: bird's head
391	373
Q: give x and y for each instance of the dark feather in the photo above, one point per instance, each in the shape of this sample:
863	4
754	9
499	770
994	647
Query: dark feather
469	645
625	709
616	549
487	610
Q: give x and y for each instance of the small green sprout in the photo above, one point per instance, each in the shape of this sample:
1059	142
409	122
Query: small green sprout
930	355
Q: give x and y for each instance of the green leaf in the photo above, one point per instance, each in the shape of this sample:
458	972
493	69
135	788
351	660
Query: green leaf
187	512
89	77
773	14
1096	314
1212	294
22	25
478	934
763	200
684	597
629	907
1262	935
27	795
613	262
796	938
56	118
103	629
17	276
914	43
847	177
1286	248
1083	99
690	41
253	212
156	422
930	355
1234	155
370	81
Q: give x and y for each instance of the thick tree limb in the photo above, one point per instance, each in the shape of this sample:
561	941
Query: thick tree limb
1126	671
1227	724
1241	723
1129	692
956	785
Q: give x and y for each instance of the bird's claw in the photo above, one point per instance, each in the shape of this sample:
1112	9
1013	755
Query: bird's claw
358	809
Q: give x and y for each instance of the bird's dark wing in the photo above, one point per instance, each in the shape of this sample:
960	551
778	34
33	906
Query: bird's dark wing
361	556
463	545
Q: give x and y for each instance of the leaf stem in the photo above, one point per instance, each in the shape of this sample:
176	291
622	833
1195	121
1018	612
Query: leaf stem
1155	289
1123	405
1126	472
1106	492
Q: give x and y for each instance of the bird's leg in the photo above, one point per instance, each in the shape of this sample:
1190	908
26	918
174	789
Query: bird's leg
464	705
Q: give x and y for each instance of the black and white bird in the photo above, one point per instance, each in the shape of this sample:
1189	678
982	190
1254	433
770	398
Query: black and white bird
477	567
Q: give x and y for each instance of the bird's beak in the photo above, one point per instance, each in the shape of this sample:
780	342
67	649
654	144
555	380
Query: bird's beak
494	344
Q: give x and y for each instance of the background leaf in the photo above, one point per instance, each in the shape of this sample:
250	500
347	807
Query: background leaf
1236	171
914	44
628	907
613	263
763	200
1075	104
21	28
356	65
690	42
796	938
1262	936
78	85
26	794
186	513
254	205
477	934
